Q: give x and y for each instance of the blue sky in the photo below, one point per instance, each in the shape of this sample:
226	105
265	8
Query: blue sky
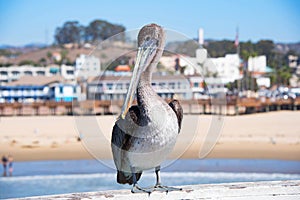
27	21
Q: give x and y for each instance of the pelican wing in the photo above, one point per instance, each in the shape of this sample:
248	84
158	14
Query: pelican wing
120	142
176	107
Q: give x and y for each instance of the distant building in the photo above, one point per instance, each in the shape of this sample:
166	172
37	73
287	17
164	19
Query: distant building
115	87
219	70
258	68
180	63
64	92
257	65
197	87
201	55
40	88
225	68
68	72
122	68
13	73
168	62
87	46
263	82
87	66
56	56
293	61
190	65
201	36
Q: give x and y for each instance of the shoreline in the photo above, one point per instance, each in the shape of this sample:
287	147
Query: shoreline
273	135
181	166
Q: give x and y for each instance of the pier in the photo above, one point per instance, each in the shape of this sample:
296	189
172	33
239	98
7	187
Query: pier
229	106
251	190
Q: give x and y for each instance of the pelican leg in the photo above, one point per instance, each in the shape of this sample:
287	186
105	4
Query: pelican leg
159	187
135	187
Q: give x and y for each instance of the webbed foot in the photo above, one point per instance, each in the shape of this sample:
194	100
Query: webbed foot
137	189
165	188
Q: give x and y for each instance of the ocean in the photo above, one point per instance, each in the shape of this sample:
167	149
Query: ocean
37	178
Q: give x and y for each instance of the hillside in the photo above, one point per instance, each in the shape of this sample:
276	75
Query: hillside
106	53
110	51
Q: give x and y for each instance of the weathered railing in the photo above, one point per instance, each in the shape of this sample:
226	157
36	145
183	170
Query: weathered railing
235	191
228	106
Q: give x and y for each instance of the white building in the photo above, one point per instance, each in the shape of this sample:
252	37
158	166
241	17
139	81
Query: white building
13	73
257	64
201	36
68	72
226	68
222	69
40	88
293	61
189	63
263	82
115	87
87	66
168	62
197	87
64	92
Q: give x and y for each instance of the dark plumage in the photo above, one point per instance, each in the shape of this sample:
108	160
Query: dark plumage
123	141
175	105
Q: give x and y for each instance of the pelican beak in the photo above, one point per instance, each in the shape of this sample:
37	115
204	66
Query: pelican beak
145	54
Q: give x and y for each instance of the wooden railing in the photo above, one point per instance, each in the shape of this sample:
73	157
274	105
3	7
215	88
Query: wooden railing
226	106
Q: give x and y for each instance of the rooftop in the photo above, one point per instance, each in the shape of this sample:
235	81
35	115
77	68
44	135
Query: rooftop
36	80
123	68
155	77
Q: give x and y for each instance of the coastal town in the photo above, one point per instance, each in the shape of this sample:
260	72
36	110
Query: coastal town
149	100
91	87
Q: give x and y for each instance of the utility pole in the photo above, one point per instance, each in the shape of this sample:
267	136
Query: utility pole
237	45
236	42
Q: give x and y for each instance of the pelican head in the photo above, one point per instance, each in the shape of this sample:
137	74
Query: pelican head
150	48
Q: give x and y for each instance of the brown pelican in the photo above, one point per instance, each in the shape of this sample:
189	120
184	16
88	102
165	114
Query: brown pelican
145	133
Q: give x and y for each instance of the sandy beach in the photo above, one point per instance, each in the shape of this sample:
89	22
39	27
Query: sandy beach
273	135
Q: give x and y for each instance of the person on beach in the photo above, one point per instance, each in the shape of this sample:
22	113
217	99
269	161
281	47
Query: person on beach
4	163
10	165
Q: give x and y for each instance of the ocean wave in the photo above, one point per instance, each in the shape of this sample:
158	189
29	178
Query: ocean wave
66	176
26	186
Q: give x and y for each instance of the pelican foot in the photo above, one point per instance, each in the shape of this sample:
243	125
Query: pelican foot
137	189
166	189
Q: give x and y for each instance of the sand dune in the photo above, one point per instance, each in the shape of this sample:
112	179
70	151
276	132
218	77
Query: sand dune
274	135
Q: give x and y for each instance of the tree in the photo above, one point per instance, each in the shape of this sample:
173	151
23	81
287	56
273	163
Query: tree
281	75
5	64
43	62
247	50
70	32
186	48
220	48
284	74
27	62
99	30
49	55
63	54
265	47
